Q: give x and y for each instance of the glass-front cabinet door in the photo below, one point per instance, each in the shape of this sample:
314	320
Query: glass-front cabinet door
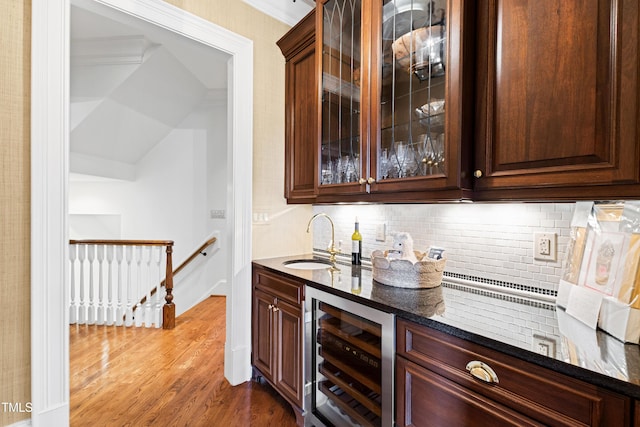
394	96
343	157
412	90
416	116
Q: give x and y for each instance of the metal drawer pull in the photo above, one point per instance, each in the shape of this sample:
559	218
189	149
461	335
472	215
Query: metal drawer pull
482	371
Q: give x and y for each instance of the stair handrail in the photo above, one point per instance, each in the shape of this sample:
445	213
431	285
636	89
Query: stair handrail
194	255
199	251
169	308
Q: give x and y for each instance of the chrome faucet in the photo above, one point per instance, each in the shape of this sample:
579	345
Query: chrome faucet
332	249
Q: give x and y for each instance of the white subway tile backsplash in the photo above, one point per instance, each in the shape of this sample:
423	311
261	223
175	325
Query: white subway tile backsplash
492	241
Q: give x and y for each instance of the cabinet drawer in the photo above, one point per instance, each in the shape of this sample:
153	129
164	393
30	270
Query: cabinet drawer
448	403
539	393
281	287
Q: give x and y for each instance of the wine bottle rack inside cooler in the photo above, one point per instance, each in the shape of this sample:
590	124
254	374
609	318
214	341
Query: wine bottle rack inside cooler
351	363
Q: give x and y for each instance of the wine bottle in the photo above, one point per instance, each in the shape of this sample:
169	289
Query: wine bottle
356	245
356	280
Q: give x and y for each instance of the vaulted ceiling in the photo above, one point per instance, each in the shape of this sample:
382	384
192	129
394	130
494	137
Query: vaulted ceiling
132	82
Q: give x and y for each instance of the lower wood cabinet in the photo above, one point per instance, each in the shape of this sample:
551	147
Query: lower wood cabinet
278	334
434	387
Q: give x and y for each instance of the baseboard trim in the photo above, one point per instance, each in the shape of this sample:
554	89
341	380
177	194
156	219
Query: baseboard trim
237	364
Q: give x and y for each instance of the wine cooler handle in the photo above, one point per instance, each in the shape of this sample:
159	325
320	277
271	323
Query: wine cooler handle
482	371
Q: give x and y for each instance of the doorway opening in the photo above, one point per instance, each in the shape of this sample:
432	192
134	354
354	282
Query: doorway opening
50	173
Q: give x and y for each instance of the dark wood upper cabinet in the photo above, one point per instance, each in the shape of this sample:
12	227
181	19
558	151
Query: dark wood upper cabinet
393	79
557	99
541	101
301	94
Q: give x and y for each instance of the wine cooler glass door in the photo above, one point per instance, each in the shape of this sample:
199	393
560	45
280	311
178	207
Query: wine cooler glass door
351	363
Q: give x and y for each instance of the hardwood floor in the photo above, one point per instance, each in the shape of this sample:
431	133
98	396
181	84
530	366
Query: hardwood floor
154	377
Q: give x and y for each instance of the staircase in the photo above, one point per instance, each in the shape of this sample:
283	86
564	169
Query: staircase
125	282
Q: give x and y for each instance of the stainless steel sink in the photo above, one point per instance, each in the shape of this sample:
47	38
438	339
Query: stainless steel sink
308	264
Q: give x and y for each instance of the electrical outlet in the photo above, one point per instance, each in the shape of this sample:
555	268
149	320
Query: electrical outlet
381	232
544	246
544	346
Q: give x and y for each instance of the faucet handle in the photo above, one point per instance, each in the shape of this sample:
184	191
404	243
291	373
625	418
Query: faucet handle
332	253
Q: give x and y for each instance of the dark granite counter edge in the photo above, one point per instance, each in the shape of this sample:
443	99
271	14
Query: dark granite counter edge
577	372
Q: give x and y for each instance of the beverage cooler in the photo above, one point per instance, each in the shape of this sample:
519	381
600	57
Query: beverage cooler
349	363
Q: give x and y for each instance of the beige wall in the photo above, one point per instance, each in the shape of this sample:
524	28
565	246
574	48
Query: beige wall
283	234
15	366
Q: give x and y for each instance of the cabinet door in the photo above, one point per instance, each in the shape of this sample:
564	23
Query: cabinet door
343	107
301	111
538	393
289	327
558	105
420	128
427	399
263	333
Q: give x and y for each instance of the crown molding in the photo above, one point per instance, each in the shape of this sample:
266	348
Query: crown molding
116	50
287	11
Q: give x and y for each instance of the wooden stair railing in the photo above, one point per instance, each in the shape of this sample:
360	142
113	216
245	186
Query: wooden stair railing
193	256
169	308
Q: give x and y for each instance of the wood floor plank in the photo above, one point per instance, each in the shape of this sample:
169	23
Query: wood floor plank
153	377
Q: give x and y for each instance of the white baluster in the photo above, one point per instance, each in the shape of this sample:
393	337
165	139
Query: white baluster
159	300
138	314
91	309
128	315
120	298
101	304
111	315
148	317
73	307
82	309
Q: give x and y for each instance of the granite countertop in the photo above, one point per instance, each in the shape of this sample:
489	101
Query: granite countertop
510	324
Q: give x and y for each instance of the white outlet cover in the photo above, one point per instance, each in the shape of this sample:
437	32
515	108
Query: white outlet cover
544	346
538	239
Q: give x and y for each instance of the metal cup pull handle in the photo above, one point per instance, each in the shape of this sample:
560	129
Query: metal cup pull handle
482	371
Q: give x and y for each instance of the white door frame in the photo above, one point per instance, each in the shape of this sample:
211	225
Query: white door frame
49	192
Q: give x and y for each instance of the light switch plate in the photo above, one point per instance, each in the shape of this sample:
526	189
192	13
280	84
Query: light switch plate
381	232
218	213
